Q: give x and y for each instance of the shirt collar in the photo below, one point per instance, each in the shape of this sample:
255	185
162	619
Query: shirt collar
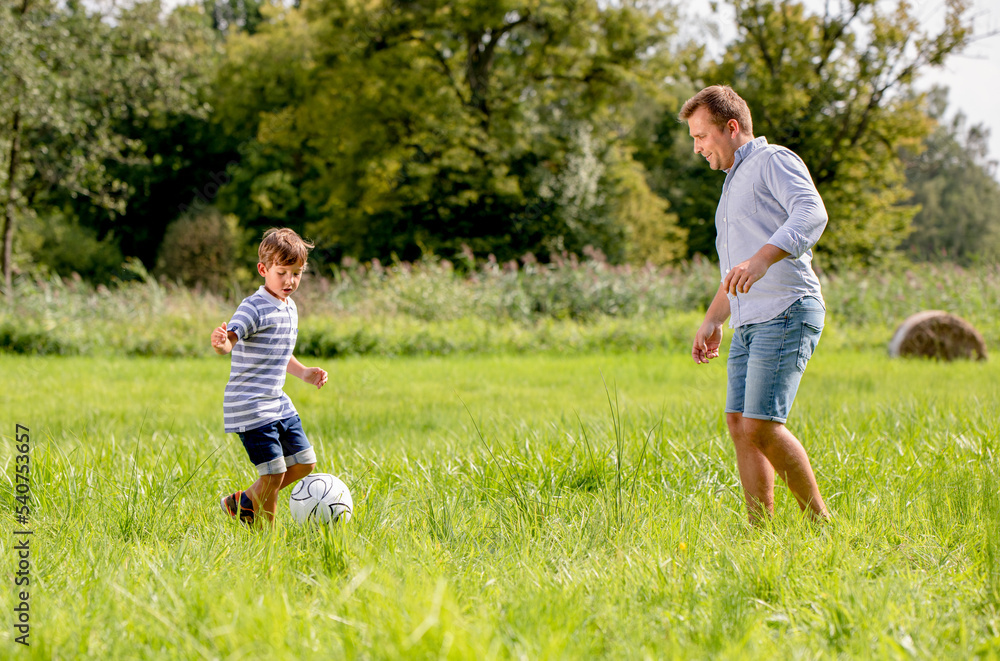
273	300
746	150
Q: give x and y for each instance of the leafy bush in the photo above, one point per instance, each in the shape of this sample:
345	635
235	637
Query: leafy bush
14	339
57	244
202	249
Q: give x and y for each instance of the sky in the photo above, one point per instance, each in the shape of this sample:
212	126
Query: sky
973	77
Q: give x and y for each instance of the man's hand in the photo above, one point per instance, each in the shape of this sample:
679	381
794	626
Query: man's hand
706	342
742	276
315	376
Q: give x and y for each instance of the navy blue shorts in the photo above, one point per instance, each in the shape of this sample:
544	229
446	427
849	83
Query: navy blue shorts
274	447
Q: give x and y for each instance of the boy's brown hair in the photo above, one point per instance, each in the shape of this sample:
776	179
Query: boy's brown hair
723	104
283	247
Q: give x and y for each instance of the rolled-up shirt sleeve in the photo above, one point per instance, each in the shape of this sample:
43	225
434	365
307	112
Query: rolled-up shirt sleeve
244	322
791	185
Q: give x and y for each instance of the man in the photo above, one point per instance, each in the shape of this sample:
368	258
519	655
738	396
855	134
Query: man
769	217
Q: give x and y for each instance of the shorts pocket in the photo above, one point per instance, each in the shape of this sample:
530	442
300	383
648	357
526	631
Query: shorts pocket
808	339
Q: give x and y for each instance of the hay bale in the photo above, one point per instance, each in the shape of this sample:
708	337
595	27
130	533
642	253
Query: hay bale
937	334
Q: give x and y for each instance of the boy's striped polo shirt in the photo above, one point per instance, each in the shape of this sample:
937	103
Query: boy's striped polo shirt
266	329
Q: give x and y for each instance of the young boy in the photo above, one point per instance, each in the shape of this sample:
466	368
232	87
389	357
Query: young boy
261	336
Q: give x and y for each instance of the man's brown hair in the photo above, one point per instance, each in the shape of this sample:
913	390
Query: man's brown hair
723	104
283	247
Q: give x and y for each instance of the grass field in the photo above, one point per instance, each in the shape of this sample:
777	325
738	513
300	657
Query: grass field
536	506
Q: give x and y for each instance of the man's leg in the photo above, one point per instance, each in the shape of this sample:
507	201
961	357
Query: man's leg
778	351
756	472
789	459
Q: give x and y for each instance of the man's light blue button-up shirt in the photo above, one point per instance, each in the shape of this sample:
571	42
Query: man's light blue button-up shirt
769	197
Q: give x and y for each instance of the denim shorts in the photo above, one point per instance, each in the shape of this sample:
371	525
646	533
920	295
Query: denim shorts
766	361
274	447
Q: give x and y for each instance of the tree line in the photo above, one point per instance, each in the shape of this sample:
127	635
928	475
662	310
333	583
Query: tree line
389	129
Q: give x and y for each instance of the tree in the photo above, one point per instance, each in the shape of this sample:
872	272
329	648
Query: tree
73	77
183	155
952	179
390	128
663	146
229	16
837	88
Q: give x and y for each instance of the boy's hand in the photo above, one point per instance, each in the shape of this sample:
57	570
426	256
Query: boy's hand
315	376
220	340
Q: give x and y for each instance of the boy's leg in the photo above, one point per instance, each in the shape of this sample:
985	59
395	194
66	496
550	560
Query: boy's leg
296	472
300	458
282	455
264	494
263	446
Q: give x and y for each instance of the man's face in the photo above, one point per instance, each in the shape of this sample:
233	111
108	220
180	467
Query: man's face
718	146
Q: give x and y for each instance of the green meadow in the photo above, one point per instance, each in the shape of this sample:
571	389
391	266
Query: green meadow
534	506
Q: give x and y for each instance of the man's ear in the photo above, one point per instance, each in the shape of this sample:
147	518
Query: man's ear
733	127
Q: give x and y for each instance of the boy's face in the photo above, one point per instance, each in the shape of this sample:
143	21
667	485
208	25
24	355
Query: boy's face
280	280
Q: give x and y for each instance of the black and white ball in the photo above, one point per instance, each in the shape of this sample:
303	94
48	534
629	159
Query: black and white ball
323	497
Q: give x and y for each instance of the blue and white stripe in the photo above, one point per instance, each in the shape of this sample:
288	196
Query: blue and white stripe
266	329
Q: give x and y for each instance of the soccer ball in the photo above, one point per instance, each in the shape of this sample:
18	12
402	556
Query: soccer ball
321	496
